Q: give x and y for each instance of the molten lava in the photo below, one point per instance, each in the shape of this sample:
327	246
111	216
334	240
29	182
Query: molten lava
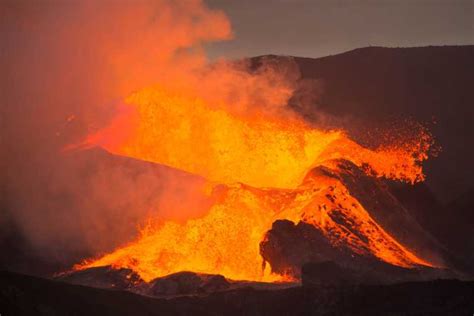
260	169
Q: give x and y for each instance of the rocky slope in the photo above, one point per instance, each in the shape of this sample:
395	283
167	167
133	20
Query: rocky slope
25	295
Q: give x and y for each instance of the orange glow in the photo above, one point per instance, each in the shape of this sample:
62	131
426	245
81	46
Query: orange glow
263	163
184	132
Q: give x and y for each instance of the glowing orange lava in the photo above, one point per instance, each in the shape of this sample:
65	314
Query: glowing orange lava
263	166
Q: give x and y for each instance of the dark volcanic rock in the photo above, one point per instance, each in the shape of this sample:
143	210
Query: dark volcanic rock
412	214
303	251
287	247
326	273
460	213
173	285
103	277
451	224
365	271
186	283
382	205
25	295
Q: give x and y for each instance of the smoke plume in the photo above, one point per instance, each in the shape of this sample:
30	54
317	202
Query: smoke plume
67	67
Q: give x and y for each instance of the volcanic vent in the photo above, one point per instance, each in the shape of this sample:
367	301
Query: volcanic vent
261	169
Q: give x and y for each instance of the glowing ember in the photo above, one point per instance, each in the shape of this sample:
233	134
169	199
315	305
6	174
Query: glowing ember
185	133
262	161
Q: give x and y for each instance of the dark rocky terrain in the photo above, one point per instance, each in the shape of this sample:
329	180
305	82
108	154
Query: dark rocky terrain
177	284
26	295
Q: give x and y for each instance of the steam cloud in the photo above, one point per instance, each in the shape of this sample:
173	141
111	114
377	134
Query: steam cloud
67	67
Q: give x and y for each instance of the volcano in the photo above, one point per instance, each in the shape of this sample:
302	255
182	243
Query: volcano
284	194
257	167
319	221
255	204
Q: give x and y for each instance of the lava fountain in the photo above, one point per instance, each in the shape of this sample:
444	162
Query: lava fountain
259	170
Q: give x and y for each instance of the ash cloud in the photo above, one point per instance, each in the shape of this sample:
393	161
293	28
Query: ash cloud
67	67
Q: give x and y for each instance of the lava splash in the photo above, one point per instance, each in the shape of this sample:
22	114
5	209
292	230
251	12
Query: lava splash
259	170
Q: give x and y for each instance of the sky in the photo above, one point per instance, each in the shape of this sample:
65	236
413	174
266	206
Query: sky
316	28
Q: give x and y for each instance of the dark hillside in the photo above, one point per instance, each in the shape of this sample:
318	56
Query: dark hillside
25	295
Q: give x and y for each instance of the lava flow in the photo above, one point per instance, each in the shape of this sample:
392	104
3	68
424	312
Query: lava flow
259	168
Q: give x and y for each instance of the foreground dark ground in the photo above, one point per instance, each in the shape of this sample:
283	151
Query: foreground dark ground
26	295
